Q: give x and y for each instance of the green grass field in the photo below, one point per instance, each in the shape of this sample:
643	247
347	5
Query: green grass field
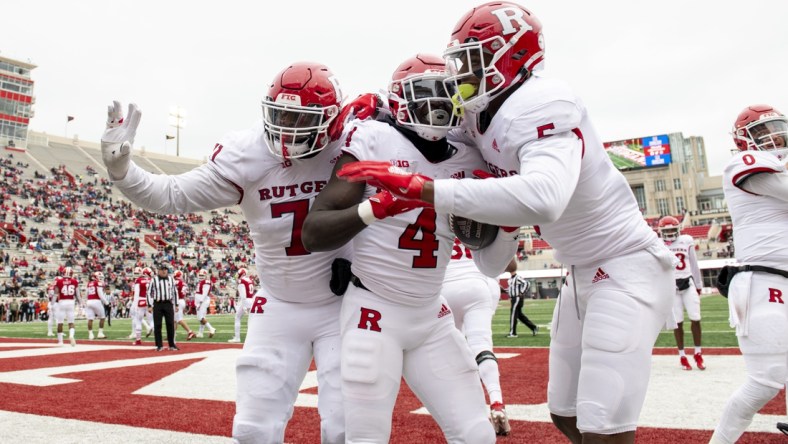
714	325
714	311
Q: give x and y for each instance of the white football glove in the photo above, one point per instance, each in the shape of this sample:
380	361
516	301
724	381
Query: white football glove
118	138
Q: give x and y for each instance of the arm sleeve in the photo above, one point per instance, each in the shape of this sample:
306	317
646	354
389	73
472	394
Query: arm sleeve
549	171
241	291
768	184
200	189
493	259
102	296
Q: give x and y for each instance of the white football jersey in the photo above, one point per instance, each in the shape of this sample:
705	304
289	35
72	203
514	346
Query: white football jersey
557	176
461	263
760	223
684	250
275	197
403	258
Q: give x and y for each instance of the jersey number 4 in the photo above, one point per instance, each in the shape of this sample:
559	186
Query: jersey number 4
427	245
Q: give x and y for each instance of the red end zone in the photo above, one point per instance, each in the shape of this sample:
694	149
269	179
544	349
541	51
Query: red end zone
115	383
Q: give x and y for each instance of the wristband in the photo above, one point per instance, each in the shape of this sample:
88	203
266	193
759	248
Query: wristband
365	212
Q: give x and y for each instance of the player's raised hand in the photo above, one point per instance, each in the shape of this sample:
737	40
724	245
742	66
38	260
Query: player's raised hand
362	107
118	138
384	204
400	183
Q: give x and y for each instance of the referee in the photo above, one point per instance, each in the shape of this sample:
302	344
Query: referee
163	297
518	289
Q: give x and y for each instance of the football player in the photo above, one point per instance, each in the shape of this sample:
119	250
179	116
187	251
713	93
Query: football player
394	320
51	307
139	305
132	312
688	288
536	136
273	171
180	286
66	295
202	300
755	183
95	305
473	299
244	302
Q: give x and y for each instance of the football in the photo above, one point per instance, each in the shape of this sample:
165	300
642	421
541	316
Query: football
474	235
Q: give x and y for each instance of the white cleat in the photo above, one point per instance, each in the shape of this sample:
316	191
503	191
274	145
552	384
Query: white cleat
212	332
102	336
199	335
234	340
49	333
131	336
73	341
90	336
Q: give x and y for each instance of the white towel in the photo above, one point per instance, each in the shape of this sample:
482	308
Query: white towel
739	303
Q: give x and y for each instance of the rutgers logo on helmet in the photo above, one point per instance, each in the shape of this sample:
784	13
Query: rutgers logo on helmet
178	274
762	128
302	103
493	47
202	274
669	228
418	99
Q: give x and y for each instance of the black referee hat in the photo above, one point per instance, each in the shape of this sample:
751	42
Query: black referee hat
165	266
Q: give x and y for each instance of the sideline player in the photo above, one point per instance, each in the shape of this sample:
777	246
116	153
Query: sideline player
536	136
95	304
133	310
473	299
140	305
394	321
688	288
755	183
66	295
244	302
202	301
273	171
51	308
180	286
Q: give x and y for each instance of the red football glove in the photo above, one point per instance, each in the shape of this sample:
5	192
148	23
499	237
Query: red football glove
481	174
385	205
362	107
699	290
382	175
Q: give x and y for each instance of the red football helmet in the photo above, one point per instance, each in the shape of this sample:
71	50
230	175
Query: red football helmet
492	48
418	98
241	272
762	128
302	103
178	274
147	271
668	228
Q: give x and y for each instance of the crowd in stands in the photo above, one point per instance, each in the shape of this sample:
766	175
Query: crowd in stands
56	219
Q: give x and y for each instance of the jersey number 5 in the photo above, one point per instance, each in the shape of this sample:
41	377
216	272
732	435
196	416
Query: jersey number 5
427	245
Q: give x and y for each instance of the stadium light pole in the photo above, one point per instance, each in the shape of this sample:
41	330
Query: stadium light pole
178	120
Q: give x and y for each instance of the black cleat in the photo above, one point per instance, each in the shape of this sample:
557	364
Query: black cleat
783	427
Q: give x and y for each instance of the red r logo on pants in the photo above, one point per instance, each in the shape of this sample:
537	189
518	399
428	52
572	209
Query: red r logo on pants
369	319
775	295
257	305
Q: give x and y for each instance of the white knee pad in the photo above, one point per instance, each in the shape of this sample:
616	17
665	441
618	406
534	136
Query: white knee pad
740	409
262	404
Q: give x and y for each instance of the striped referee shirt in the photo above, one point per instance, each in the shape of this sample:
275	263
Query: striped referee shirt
518	286
162	290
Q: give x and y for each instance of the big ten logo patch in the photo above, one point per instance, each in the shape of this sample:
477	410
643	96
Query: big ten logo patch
369	319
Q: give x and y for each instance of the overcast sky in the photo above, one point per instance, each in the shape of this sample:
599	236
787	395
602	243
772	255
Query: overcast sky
642	68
